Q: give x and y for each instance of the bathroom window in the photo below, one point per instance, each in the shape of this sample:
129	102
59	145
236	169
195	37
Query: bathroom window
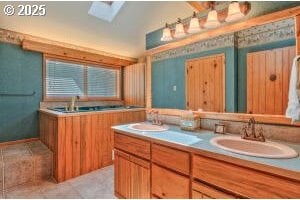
102	82
65	79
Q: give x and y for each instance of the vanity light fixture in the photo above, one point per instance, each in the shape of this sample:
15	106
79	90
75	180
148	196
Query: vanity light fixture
179	30
166	34
234	12
212	19
194	24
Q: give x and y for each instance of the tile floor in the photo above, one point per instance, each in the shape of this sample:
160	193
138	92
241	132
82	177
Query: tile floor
24	163
97	184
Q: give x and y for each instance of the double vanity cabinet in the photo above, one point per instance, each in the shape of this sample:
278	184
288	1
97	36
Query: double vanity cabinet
152	168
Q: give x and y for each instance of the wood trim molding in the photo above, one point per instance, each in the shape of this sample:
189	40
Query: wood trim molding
148	82
72	53
265	19
240	117
198	6
2	144
17	38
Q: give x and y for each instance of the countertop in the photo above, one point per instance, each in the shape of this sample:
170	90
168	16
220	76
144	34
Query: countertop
203	144
61	114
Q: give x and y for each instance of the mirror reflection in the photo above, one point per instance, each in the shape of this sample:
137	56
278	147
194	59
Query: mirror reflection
246	72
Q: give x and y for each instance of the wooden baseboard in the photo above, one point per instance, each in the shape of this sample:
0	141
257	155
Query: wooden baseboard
2	144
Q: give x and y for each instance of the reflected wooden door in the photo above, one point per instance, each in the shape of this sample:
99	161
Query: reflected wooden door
268	74
205	83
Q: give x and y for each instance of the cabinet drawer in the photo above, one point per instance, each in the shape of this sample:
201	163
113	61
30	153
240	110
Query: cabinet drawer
205	191
243	181
167	184
171	158
132	145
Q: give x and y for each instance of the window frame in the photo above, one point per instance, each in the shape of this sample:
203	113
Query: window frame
85	63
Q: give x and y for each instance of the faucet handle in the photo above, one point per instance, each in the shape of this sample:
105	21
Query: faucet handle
261	133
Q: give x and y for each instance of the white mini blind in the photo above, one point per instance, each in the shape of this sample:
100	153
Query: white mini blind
102	82
64	79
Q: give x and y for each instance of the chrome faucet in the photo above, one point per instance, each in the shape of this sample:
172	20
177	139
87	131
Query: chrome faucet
249	132
155	118
72	103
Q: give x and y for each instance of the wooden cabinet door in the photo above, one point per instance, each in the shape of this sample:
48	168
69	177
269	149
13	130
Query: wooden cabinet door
268	75
122	174
205	83
132	176
168	184
140	178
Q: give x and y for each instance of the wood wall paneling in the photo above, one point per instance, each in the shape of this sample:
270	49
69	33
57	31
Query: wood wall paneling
297	33
134	84
82	143
297	36
205	86
265	96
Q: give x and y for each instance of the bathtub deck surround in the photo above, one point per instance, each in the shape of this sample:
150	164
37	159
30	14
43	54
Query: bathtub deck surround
82	141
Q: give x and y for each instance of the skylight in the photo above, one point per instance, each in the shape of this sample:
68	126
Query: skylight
106	10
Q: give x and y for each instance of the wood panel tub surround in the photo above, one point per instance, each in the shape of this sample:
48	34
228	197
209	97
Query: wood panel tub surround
211	175
82	142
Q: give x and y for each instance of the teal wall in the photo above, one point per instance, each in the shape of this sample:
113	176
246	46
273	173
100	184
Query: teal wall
169	72
242	68
20	72
257	8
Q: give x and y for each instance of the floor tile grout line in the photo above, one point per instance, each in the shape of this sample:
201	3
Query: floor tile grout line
33	158
34	167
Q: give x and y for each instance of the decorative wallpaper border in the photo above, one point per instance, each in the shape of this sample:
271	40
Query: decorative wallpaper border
258	35
276	31
214	43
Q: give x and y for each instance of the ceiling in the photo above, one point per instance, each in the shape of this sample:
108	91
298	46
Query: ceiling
70	22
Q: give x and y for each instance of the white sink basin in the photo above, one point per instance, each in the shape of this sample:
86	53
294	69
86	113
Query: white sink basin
253	148
147	127
179	138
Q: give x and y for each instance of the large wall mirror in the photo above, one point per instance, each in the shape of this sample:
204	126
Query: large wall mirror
246	72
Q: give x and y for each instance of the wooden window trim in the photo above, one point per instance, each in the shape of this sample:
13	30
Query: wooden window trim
85	63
